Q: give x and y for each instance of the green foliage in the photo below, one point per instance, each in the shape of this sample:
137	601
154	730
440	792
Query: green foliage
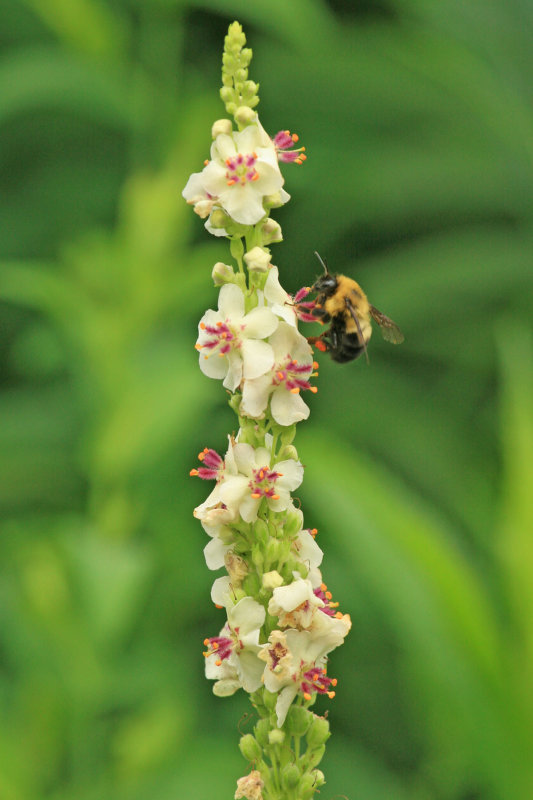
417	123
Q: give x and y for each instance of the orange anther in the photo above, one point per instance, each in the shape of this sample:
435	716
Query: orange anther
313	389
331	695
202	325
296	390
307	696
193	472
275	497
295	137
206	162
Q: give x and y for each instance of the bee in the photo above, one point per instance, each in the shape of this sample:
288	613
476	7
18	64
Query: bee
341	302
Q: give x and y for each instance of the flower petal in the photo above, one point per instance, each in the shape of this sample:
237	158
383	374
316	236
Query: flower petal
255	396
292	474
260	323
287	408
231	302
257	358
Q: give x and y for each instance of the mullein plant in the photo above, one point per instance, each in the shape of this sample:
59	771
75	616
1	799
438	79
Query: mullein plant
281	622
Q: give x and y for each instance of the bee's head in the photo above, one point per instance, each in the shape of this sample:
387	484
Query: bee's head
327	282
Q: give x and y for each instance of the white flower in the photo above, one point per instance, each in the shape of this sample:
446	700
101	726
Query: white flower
230	341
255	479
293	366
233	654
242	171
244	477
294	605
295	662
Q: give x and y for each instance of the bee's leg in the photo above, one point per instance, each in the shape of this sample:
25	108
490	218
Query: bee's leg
321	314
324	342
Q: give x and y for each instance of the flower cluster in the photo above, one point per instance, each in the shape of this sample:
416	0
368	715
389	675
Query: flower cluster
280	621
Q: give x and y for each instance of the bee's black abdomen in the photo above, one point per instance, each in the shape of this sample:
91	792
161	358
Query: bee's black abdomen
348	348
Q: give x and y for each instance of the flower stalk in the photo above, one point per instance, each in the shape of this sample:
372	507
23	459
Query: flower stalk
281	622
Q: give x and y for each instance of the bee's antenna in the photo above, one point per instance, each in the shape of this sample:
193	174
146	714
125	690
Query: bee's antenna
324	265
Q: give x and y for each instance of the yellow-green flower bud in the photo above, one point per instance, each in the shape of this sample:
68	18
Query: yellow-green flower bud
257	555
271	231
270	699
262	730
318	732
307	786
272	551
221	126
290	776
315	755
293	523
250	747
222	273
273	200
244	116
276	736
260	529
219	219
257	259
319	777
289	451
251	585
298	720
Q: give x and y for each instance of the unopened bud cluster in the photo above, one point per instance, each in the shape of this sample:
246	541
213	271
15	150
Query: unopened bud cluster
280	622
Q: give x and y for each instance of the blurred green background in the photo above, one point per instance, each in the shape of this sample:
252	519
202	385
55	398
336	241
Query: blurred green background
418	122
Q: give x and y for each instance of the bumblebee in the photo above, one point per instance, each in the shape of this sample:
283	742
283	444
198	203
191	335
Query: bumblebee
341	301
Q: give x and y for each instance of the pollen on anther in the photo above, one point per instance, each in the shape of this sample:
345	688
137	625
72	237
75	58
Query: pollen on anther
218	662
193	472
256	495
206	162
331	695
313	389
275	497
296	390
206	642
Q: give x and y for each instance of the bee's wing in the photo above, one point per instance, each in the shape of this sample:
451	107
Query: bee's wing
351	309
389	329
